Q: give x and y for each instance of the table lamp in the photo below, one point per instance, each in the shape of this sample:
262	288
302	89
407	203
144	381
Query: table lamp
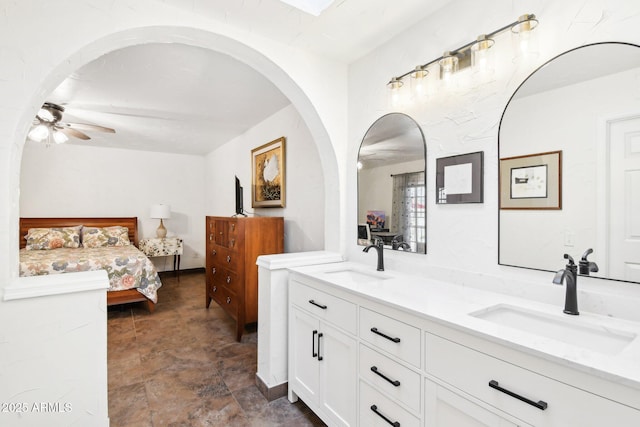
161	212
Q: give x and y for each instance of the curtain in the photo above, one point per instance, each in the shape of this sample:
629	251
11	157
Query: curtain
408	209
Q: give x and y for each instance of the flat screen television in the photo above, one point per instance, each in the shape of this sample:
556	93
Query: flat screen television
239	206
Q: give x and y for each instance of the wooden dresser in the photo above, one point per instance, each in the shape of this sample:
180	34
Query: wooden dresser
233	244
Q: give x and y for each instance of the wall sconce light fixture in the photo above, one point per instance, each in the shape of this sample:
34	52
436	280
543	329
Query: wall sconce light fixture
476	54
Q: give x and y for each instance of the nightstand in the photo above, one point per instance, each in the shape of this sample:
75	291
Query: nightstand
154	247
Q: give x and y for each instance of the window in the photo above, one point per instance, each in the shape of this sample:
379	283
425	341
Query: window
409	210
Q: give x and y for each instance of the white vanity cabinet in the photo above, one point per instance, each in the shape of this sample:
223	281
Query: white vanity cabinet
379	364
520	391
322	354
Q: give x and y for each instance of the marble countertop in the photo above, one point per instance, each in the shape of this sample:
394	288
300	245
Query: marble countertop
452	305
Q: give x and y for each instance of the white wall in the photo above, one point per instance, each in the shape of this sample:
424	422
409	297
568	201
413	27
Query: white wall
463	239
304	210
81	181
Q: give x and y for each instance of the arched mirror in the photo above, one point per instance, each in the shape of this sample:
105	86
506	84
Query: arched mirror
392	184
569	149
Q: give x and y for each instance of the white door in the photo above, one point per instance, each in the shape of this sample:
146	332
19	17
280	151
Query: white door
624	199
338	375
303	356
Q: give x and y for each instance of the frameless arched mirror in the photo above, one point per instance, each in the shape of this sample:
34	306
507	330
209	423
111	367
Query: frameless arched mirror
569	149
392	184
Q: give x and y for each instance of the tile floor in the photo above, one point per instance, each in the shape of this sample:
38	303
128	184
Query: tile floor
181	366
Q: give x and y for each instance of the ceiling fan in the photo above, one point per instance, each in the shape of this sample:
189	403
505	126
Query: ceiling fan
48	127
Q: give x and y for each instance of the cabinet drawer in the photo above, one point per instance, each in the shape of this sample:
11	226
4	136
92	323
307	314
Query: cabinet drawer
225	277
564	405
325	306
398	338
226	299
390	377
377	410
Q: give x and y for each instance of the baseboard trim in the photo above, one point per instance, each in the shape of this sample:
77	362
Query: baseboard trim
171	273
271	393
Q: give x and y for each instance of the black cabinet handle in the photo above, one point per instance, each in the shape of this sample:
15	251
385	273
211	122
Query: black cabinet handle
540	404
324	307
374	369
319	356
374	408
313	344
377	332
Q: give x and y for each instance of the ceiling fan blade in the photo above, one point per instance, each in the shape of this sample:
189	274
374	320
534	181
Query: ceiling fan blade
72	132
86	126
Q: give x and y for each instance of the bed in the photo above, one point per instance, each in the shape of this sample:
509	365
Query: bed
132	276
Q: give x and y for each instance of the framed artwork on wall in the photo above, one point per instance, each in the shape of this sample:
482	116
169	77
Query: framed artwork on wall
532	181
459	179
268	175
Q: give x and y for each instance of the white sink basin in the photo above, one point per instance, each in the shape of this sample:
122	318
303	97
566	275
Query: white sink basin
355	276
567	329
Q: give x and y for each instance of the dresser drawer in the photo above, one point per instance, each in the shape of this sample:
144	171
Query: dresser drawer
324	306
225	277
377	410
226	299
549	402
391	335
390	377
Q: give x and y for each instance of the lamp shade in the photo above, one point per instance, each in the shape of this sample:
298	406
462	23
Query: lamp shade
160	211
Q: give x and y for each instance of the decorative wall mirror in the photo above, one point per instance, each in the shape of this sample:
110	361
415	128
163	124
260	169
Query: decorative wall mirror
584	103
392	184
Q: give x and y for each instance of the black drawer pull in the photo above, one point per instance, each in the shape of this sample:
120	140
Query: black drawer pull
319	356
377	332
540	404
313	344
324	307
374	408
374	369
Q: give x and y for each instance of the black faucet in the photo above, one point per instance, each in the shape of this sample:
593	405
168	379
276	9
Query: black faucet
586	266
378	245
397	244
570	273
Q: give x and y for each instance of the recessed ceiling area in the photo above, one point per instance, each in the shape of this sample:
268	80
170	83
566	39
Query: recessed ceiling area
167	97
171	97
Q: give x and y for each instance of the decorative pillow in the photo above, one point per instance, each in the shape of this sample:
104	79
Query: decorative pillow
53	238
95	237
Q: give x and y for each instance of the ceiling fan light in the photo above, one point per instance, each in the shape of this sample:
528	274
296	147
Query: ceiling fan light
45	115
59	137
39	133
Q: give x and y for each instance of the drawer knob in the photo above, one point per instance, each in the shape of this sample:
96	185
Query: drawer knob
228	258
374	408
375	370
540	404
210	237
377	332
228	279
324	307
228	300
213	270
215	289
214	252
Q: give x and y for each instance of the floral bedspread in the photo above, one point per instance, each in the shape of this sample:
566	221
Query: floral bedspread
126	266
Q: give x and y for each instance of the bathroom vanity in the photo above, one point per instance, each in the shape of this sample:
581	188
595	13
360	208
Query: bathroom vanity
376	348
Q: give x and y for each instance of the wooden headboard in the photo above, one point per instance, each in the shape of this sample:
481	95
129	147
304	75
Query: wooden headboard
130	222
